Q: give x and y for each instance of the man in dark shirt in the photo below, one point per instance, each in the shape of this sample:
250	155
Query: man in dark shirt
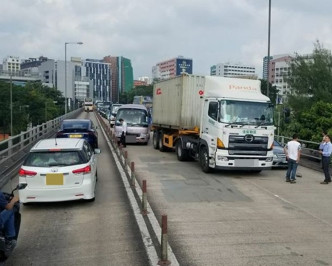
7	222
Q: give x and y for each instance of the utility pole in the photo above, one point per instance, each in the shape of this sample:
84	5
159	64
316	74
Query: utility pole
11	105
268	52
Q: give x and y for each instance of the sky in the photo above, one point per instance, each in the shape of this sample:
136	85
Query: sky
150	31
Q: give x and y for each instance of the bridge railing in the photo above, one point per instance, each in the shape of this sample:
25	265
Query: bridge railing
309	148
14	149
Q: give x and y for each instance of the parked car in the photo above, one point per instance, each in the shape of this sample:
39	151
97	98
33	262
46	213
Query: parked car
279	156
59	170
79	128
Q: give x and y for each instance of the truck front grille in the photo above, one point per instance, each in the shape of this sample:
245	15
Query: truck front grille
247	145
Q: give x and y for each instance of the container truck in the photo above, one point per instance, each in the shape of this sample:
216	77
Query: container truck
224	123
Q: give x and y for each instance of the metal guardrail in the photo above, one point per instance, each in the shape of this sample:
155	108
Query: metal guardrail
14	149
309	148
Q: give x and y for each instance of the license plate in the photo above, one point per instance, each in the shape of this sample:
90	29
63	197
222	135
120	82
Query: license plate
75	136
130	138
54	179
244	163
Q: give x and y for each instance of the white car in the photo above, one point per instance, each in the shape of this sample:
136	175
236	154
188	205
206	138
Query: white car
59	169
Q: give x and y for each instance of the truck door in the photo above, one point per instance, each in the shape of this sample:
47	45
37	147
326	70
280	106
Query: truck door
210	124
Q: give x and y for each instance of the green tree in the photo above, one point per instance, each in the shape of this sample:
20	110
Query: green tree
310	79
29	105
273	91
314	120
128	97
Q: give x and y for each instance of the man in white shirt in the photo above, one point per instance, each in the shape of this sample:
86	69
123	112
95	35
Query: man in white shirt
293	153
124	132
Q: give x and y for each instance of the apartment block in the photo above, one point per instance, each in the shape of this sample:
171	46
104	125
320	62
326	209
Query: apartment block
233	70
278	73
172	68
100	73
11	64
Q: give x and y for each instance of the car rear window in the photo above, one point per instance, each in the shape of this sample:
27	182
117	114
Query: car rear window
75	125
54	158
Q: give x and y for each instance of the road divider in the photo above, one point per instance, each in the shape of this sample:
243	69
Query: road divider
144	198
164	242
153	235
132	174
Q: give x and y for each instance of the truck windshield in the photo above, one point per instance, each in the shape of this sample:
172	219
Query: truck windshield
241	112
133	117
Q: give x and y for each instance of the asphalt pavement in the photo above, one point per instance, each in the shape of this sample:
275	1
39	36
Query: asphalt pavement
103	232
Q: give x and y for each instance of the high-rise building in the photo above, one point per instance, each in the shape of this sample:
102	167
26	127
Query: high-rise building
11	64
213	70
233	70
265	66
100	73
52	74
278	73
172	68
122	76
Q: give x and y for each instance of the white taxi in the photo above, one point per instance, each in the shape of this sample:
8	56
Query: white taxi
59	169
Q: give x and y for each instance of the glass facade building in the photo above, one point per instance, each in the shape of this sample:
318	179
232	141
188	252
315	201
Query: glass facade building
100	73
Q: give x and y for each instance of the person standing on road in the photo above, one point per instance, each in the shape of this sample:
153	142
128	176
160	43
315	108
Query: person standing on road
293	154
123	133
325	149
321	144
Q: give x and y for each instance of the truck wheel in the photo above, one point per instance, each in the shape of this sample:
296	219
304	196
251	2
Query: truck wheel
155	140
204	159
162	148
181	153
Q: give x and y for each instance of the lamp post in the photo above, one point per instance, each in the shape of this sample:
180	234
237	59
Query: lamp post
268	52
11	105
66	71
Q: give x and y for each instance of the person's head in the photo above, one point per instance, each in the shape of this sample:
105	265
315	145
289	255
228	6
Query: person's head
121	120
327	138
295	136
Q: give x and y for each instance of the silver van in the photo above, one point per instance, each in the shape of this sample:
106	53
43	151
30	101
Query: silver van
137	119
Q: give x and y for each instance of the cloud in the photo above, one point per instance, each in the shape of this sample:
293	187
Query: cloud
150	31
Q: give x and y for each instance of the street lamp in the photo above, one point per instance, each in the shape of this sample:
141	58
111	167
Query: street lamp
268	52
11	105
66	71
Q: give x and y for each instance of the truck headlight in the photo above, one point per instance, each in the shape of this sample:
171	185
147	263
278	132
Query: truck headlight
269	159
222	158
